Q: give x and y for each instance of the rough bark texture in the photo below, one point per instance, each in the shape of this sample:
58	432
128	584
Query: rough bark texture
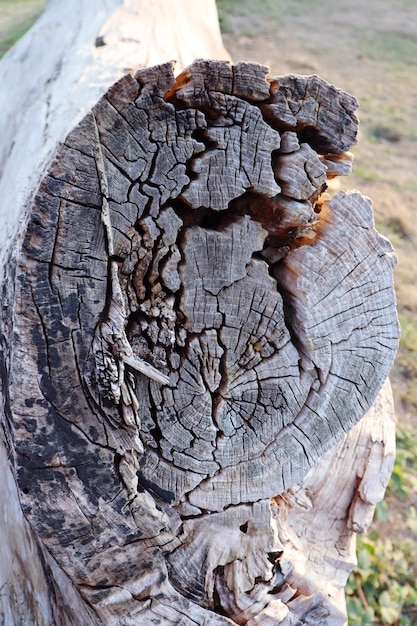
191	322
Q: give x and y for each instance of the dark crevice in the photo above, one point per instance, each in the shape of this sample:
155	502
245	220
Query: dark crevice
310	135
218	575
202	135
148	485
141	344
262	209
117	258
273	557
156	432
279	578
139	228
206	218
223	369
289	315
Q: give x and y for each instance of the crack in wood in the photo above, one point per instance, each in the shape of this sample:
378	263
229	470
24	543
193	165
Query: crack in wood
201	322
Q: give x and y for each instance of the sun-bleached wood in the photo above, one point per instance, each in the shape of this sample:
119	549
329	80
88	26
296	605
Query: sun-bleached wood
64	64
192	324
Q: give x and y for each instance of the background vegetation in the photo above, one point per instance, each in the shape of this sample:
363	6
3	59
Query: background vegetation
369	49
383	588
16	16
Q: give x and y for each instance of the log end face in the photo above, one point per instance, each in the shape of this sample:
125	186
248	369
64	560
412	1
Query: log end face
204	323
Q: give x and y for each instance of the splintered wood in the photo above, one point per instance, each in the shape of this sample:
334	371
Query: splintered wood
195	324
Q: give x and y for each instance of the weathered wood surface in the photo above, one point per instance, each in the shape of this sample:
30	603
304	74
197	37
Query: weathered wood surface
317	521
49	79
191	324
66	62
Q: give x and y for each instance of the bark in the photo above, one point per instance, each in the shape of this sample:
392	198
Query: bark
189	324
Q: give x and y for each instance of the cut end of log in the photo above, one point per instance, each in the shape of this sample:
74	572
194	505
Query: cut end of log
196	323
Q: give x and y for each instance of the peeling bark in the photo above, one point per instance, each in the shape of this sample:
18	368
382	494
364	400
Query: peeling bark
193	323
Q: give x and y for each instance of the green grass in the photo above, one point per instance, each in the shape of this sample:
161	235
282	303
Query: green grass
393	49
272	10
16	17
408	332
365	174
243	7
406	360
382	590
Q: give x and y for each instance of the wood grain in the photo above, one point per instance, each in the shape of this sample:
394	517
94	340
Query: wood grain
194	323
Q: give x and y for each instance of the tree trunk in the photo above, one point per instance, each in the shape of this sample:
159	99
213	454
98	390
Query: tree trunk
191	329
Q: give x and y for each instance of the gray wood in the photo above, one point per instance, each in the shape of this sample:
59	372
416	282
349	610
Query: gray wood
192	323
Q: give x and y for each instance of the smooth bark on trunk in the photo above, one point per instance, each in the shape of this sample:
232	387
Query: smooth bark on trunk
190	325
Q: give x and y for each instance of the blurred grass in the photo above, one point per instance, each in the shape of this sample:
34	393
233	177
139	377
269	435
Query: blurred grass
396	50
387	563
16	17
